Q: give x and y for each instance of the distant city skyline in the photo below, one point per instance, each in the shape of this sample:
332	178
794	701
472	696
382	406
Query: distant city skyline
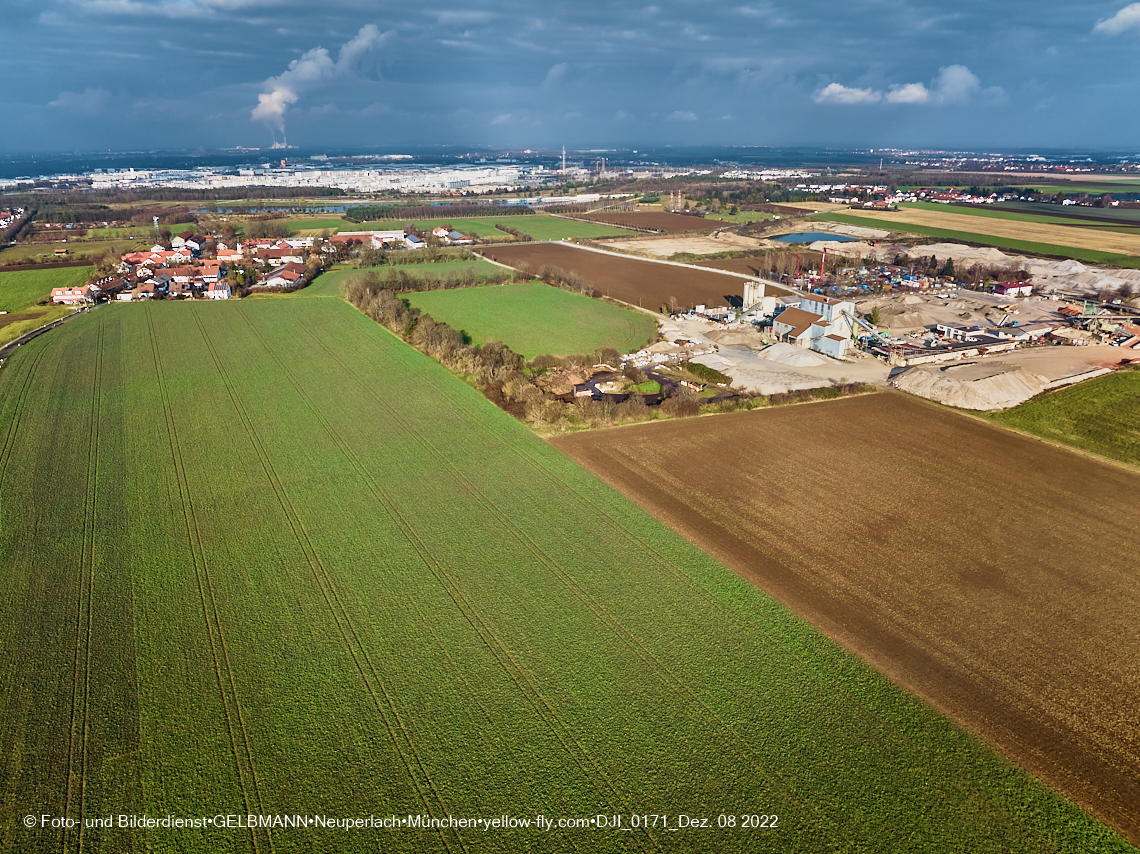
213	74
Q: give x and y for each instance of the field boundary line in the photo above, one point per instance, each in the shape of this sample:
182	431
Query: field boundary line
197	556
324	584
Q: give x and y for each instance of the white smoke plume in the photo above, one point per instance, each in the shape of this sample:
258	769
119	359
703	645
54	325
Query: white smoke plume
284	90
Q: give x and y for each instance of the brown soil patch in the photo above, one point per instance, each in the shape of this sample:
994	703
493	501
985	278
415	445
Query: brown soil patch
749	266
665	222
983	570
6	319
664	247
644	283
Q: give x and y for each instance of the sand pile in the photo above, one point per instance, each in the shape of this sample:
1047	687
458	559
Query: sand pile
858	249
988	386
965	254
792	356
737	338
854	230
718	363
899	317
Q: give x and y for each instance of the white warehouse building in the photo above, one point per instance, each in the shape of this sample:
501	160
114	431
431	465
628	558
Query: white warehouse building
820	323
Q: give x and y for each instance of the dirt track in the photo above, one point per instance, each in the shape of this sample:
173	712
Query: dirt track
985	571
630	280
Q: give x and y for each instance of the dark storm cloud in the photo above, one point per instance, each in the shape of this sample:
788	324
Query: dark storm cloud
211	73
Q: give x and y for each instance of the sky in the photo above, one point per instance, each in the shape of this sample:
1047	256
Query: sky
90	75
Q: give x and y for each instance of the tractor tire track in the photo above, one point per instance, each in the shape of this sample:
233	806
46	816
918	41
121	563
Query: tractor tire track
18	412
494	644
81	670
205	590
332	600
729	737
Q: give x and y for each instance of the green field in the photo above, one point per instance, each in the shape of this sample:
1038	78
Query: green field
318	225
1079	254
139	232
261	557
538	226
330	284
22	289
991	212
1101	415
33	253
533	318
742	217
1127	226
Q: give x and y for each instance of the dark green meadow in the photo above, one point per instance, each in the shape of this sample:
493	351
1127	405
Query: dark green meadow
1101	416
262	557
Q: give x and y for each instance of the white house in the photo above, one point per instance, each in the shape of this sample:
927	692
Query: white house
218	290
70	296
1013	289
819	323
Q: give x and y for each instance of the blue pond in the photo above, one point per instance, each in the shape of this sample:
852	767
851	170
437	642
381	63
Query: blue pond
812	237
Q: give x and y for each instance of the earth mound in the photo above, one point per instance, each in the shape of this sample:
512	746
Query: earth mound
986	387
787	354
737	338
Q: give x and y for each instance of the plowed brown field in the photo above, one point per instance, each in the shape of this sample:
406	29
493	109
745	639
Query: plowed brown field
665	222
644	283
986	571
752	266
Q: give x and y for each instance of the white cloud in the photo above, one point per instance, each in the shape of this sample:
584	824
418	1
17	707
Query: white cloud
271	107
1127	18
312	67
955	84
679	116
908	93
463	17
556	73
837	93
502	118
87	102
170	8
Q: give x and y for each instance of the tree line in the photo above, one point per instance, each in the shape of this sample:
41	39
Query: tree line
517	386
514	232
365	213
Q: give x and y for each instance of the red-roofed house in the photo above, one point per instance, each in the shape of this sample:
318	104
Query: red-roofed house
70	296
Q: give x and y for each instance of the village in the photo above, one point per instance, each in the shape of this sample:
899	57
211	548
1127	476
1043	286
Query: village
196	266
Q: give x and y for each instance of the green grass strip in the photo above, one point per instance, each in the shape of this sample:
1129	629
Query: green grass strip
1101	416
